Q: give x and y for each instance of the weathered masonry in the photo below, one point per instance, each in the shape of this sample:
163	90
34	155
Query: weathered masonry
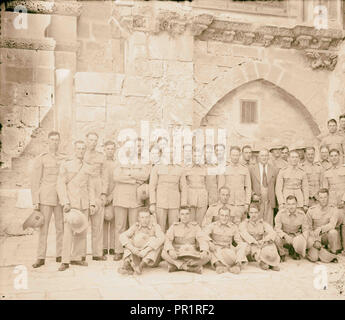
259	69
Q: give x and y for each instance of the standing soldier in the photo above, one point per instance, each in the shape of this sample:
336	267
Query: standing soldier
128	178
211	175
212	213
76	191
263	178
292	180
197	196
237	179
324	157
291	226
300	149
276	159
44	196
168	191
334	140
334	181
97	162
186	246
314	173
247	156
341	129
322	220
222	234
285	153
109	226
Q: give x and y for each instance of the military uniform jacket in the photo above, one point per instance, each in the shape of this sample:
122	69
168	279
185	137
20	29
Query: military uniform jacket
314	173
291	224
237	179
292	181
168	186
197	195
127	179
44	178
222	235
278	163
325	164
334	141
255	231
143	236
211	184
96	161
334	181
180	234
325	219
212	212
75	186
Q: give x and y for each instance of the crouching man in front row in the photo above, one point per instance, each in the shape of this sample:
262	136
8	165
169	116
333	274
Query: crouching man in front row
291	226
186	246
324	238
259	239
143	243
222	234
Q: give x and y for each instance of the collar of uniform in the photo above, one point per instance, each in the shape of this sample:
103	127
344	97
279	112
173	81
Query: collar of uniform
292	213
256	222
150	226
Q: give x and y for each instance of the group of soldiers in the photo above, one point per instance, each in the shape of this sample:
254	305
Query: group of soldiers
261	205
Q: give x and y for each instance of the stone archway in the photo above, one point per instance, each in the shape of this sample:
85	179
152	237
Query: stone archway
302	92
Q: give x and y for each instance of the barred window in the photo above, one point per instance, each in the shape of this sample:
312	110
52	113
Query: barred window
249	111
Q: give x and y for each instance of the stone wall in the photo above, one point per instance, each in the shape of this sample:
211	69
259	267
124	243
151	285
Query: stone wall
106	66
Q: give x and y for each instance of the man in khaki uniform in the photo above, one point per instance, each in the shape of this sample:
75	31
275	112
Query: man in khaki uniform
247	158
109	226
292	180
128	178
168	191
97	162
322	220
334	181
284	153
75	190
314	173
237	179
334	140
197	196
211	175
258	238
291	226
324	158
222	234
212	213
276	159
44	196
186	246
143	243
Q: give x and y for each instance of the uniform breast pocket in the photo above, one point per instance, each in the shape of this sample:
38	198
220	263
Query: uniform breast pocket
51	170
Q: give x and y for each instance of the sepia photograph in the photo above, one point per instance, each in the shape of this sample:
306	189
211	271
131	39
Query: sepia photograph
161	150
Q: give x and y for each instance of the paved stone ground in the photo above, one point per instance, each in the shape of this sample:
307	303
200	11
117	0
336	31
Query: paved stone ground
100	280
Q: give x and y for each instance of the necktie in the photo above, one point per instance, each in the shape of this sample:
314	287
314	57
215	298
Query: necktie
264	177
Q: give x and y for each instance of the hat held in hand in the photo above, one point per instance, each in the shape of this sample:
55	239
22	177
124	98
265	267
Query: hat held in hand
77	220
35	220
143	192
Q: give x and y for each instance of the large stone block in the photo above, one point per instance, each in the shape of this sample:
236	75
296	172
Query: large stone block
177	111
101	31
137	86
98	82
247	51
36	25
91	100
114	100
88	114
179	68
44	75
219	48
62	28
27	58
94	10
83	29
19	75
205	72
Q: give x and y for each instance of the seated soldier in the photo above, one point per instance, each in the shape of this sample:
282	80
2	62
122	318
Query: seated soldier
222	234
186	246
142	243
213	210
291	226
259	237
324	240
